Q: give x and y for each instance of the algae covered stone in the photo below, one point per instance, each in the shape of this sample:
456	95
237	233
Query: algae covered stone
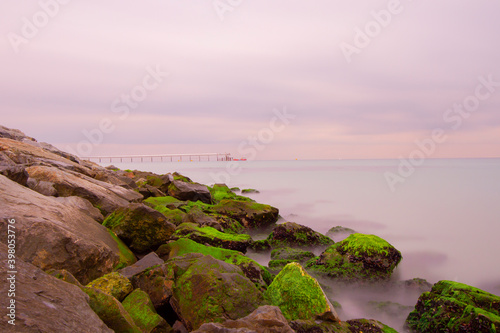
113	284
455	307
358	258
210	290
141	309
251	215
140	227
290	234
299	296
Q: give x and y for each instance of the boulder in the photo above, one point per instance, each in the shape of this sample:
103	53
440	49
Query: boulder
51	235
369	326
285	255
113	284
148	191
44	303
222	192
258	274
210	290
455	307
299	296
105	196
290	234
339	233
359	258
83	205
111	311
251	215
266	319
213	237
146	262
197	216
189	191
16	173
140	227
141	309
158	283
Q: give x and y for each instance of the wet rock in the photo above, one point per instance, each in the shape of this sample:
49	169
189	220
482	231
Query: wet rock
266	319
290	234
51	235
455	307
46	304
189	191
358	258
213	237
210	290
140	227
299	296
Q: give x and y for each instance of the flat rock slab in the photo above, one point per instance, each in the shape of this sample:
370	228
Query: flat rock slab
148	261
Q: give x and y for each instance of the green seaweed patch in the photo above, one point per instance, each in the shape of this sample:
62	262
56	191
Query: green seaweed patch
160	201
141	309
209	232
249	266
127	257
249	190
297	294
221	192
358	244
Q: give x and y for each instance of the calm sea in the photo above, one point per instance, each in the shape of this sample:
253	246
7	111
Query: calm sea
444	218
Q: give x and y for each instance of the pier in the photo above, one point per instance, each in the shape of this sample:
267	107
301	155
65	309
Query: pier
207	157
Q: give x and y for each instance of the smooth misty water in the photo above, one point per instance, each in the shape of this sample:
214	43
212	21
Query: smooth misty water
445	218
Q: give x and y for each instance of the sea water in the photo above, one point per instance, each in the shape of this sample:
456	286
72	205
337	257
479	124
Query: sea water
444	217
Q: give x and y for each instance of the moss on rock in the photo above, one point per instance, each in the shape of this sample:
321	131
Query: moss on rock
358	258
455	307
209	235
251	215
290	234
113	284
141	309
299	296
127	257
222	192
288	253
252	270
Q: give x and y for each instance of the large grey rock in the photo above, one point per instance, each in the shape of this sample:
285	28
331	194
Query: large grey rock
46	304
107	197
148	261
51	235
189	191
266	319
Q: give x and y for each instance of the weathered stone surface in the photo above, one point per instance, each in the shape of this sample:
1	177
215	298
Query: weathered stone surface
213	237
266	319
141	309
105	196
252	270
140	227
290	234
44	303
250	214
113	284
83	205
64	275
51	235
13	134
111	311
299	296
146	262
158	283
16	173
189	191
210	290
358	258
455	307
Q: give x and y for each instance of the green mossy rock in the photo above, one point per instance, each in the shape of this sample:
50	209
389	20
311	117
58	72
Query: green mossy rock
455	307
290	234
261	245
140	227
166	202
251	215
252	270
358	258
183	190
210	290
288	253
213	237
111	311
127	257
64	275
299	296
113	284
249	190
222	192
157	282
369	326
141	309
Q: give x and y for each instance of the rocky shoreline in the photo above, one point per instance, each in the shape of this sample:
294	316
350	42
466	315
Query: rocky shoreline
99	249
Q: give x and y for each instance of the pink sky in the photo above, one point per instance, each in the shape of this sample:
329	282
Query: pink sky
227	76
